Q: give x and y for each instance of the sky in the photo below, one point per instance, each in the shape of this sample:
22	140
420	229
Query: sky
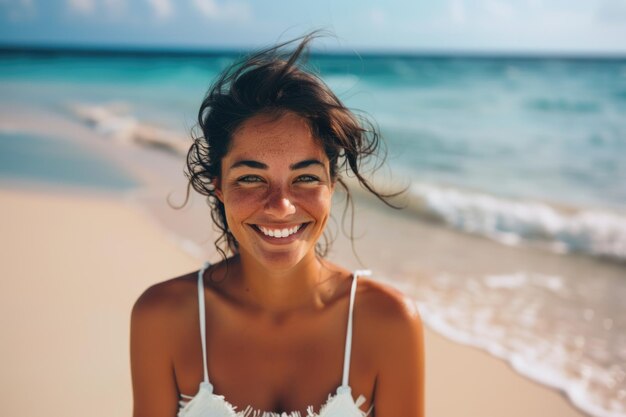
514	26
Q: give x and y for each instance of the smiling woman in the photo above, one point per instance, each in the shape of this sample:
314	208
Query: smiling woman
281	328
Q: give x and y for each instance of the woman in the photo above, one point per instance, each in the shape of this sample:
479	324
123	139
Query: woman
275	326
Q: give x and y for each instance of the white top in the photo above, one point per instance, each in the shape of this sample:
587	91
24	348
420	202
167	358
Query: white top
207	404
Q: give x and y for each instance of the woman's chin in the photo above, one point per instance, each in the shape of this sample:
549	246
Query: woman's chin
279	259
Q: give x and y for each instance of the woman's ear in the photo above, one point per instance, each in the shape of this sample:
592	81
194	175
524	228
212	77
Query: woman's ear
217	189
332	186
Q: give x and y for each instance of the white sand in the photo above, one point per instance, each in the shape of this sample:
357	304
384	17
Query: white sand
71	269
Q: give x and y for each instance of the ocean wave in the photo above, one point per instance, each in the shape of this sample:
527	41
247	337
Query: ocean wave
592	231
115	121
564	105
541	325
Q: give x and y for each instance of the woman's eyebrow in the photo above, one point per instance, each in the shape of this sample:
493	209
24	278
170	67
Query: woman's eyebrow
306	163
249	163
260	165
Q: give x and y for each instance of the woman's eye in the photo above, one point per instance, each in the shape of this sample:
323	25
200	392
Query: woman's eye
307	178
249	179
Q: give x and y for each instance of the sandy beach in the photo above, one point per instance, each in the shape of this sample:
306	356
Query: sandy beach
73	264
72	267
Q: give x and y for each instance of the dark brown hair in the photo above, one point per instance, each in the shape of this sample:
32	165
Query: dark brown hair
273	82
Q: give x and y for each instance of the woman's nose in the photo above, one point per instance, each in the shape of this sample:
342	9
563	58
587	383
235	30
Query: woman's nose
279	203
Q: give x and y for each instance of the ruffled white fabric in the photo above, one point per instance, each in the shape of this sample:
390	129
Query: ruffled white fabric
340	405
208	404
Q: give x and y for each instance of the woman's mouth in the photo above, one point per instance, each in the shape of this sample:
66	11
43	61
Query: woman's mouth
280	233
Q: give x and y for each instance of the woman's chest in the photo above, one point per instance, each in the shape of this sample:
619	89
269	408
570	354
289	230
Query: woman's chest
286	365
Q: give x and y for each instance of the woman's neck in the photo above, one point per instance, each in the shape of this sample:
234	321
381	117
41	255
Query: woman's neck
307	285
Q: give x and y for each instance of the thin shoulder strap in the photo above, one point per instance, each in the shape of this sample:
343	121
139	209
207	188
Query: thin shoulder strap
202	318
348	349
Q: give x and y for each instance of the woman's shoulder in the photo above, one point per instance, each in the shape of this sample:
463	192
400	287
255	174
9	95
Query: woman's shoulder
163	300
393	335
388	314
385	302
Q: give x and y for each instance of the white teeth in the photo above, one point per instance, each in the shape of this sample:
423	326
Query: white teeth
279	232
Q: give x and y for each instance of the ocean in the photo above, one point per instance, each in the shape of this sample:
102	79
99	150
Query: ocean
526	151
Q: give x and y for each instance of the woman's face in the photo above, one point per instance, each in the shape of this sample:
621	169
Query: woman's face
276	190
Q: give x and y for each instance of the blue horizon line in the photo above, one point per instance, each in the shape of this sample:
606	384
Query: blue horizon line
185	52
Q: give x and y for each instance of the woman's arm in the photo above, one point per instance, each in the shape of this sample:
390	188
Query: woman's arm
154	386
400	383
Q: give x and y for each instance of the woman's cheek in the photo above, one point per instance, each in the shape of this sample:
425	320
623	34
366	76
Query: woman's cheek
245	196
240	204
317	195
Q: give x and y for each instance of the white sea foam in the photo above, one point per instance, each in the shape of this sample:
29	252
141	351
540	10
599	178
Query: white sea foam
592	231
550	329
115	121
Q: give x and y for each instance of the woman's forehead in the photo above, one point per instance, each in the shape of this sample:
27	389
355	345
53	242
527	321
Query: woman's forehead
263	136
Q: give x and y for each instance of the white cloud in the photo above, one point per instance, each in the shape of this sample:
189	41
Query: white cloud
229	10
207	7
84	7
115	7
559	26
161	8
378	17
612	11
457	11
98	8
498	9
18	10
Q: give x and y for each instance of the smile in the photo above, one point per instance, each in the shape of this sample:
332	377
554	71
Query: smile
279	233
